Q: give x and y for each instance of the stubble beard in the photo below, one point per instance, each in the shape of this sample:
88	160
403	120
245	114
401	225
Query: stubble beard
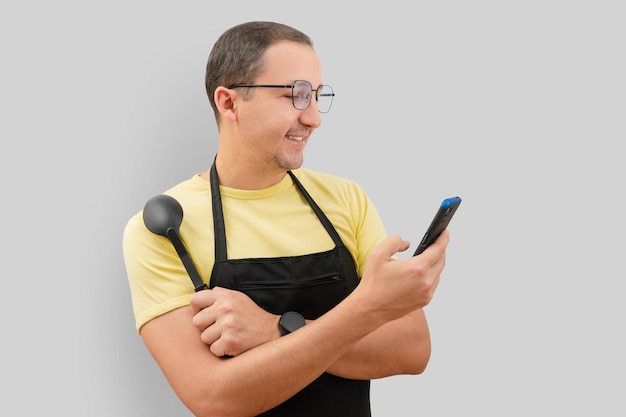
289	162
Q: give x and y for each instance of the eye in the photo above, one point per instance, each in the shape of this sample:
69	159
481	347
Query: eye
302	94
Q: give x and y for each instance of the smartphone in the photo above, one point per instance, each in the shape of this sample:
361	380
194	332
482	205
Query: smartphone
440	222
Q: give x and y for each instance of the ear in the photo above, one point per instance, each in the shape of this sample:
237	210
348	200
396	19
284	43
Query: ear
225	102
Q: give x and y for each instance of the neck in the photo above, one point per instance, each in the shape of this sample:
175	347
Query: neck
242	175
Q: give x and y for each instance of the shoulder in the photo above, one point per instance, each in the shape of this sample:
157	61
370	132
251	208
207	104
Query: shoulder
185	192
324	182
189	191
335	194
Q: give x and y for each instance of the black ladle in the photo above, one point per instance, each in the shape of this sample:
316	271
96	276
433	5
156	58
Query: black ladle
163	216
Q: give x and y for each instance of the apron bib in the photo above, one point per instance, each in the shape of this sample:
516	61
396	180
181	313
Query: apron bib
309	284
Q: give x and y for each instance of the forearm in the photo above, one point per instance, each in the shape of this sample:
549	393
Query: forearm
265	376
401	346
260	378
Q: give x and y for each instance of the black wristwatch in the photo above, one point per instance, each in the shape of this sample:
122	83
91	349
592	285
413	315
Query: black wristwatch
290	322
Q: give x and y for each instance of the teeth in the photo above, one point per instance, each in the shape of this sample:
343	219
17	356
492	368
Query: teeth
295	137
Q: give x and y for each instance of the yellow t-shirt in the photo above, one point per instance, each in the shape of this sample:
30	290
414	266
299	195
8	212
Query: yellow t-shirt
272	222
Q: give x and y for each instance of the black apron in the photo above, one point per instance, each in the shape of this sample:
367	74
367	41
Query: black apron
309	284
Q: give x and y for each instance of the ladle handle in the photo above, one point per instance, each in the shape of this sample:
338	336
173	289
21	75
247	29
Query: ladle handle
198	283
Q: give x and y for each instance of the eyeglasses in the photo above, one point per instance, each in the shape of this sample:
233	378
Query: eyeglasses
301	93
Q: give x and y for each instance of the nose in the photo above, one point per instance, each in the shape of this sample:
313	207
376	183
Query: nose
311	115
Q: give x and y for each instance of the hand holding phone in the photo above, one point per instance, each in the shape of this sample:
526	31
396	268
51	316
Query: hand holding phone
439	223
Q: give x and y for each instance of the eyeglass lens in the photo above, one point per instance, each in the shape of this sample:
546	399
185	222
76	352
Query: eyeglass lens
303	91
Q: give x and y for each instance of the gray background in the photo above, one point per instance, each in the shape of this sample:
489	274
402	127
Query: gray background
518	107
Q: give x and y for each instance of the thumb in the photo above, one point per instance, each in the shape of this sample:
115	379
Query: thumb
391	245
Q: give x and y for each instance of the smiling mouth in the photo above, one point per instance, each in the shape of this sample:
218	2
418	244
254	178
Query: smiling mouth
297	138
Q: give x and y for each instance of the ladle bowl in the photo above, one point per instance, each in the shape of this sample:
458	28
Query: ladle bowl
163	215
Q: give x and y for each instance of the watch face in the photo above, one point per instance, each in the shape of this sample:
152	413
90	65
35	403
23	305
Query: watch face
290	322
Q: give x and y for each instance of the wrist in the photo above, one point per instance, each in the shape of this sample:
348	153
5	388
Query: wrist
290	322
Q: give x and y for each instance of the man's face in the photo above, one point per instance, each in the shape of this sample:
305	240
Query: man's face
273	131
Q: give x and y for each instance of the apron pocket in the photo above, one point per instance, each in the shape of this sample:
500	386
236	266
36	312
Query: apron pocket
309	296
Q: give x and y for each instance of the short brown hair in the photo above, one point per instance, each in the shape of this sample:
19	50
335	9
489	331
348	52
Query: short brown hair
237	55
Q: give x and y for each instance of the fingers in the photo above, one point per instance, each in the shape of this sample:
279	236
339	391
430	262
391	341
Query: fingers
201	299
206	298
205	310
228	320
437	250
432	261
443	238
203	315
390	246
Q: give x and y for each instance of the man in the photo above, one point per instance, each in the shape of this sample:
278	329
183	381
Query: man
284	329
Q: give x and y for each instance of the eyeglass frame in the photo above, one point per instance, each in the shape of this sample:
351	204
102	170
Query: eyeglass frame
292	86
